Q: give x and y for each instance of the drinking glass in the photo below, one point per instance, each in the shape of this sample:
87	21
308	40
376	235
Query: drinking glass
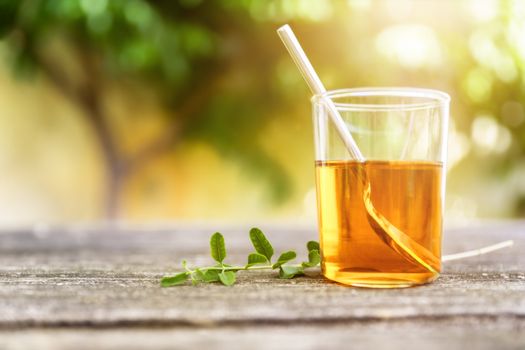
380	221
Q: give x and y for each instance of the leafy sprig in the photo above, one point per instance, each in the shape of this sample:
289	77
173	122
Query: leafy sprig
261	259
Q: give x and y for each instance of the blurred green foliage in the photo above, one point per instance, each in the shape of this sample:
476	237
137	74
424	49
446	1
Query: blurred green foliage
132	36
176	48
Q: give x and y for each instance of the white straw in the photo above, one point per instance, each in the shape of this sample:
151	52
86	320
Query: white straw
312	79
476	252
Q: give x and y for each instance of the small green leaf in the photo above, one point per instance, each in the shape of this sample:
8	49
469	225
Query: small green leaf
211	276
313	245
198	275
255	259
176	280
289	271
284	258
227	277
208	275
261	243
217	247
313	259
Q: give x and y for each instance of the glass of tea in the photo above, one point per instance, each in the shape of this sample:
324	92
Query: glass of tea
380	220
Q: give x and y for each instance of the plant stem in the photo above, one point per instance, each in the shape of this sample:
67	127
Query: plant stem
235	268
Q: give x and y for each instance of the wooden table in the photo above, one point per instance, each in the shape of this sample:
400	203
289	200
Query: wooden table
98	288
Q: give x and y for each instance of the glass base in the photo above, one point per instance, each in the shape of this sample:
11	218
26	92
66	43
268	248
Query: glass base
381	279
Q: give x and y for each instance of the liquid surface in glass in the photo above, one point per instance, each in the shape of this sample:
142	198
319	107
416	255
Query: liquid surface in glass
407	194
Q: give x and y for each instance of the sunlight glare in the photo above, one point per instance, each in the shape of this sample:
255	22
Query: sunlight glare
490	56
482	10
489	136
412	45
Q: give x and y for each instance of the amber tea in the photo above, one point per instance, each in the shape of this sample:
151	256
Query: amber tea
407	194
380	160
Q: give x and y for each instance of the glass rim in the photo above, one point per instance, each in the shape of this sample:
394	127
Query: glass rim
436	98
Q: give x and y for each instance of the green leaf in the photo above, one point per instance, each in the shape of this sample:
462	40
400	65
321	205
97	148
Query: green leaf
227	277
261	243
198	276
255	259
208	275
217	247
284	258
289	271
313	245
176	280
314	258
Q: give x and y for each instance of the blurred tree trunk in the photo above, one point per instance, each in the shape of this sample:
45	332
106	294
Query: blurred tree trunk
113	161
87	95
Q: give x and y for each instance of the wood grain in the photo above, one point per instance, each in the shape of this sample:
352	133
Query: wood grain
61	287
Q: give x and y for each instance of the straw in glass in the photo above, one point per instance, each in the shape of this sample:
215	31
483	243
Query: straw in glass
395	238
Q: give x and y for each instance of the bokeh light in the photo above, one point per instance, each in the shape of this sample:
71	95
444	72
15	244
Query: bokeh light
192	110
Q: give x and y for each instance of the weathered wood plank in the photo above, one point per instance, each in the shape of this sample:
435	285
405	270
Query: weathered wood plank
436	334
108	279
